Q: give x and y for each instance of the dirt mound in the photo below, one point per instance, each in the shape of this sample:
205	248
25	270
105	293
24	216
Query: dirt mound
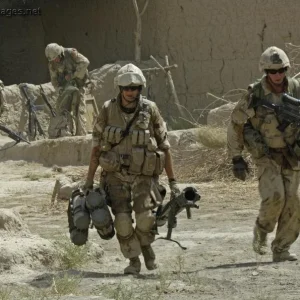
18	246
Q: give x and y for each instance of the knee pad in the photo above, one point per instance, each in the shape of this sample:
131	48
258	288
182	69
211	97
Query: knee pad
145	221
123	225
130	246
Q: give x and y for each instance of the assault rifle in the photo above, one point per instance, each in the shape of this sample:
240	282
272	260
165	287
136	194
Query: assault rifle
287	113
17	138
185	200
53	113
34	125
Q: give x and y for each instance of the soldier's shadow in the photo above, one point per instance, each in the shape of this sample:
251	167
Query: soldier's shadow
46	280
241	265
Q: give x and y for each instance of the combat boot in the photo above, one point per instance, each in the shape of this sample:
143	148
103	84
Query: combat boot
134	267
149	257
259	241
284	256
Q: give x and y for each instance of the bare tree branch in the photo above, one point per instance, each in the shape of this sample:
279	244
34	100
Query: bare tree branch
144	9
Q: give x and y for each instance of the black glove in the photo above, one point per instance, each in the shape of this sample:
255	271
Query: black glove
240	168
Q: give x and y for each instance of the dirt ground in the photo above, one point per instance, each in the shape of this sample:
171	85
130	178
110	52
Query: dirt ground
218	264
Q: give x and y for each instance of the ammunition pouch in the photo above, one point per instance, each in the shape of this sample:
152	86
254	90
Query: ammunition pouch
160	162
100	214
254	142
137	160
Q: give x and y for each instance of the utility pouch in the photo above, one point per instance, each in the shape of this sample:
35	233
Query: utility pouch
137	159
111	135
118	135
151	144
147	136
141	139
106	133
160	162
109	161
134	137
149	163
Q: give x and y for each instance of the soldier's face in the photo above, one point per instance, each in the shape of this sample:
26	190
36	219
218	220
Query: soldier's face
277	76
57	59
130	93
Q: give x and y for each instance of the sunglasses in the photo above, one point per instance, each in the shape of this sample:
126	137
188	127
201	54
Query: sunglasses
280	71
131	88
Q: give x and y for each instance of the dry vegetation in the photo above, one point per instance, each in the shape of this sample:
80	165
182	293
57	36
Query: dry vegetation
208	162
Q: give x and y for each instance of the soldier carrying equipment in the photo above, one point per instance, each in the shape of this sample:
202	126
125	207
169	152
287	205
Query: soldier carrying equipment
34	125
87	206
185	200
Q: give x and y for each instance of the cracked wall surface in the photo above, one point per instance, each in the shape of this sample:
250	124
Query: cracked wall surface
216	43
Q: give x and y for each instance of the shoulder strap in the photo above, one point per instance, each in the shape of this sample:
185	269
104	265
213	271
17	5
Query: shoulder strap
294	87
125	132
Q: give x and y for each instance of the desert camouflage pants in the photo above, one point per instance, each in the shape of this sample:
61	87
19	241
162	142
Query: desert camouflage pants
278	188
129	193
71	109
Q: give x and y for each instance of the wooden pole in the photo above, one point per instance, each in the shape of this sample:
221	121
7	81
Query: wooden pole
138	32
170	82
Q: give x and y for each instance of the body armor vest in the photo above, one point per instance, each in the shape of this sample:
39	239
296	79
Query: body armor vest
137	152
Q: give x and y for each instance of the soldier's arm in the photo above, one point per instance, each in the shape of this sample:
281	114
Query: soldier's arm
160	134
82	64
96	146
53	77
239	116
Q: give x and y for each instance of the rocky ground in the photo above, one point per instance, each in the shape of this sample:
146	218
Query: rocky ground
218	264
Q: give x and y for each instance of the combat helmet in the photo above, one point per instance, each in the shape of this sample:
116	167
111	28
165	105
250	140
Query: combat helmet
273	58
130	75
53	50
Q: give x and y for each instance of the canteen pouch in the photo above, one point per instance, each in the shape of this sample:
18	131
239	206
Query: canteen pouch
110	161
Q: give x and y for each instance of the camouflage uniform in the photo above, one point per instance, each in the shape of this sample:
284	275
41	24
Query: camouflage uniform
131	168
70	103
278	170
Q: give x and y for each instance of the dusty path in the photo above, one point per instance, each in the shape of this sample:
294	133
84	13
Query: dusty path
218	264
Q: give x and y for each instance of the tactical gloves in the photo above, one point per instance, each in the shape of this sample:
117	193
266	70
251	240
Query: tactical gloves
240	168
175	191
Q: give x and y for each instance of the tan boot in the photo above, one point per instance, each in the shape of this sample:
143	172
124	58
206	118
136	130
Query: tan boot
134	267
259	241
149	257
283	256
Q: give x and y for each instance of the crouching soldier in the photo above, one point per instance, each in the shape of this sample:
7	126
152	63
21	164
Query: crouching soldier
68	72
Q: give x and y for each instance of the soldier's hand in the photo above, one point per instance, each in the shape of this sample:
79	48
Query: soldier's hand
240	168
88	185
175	191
